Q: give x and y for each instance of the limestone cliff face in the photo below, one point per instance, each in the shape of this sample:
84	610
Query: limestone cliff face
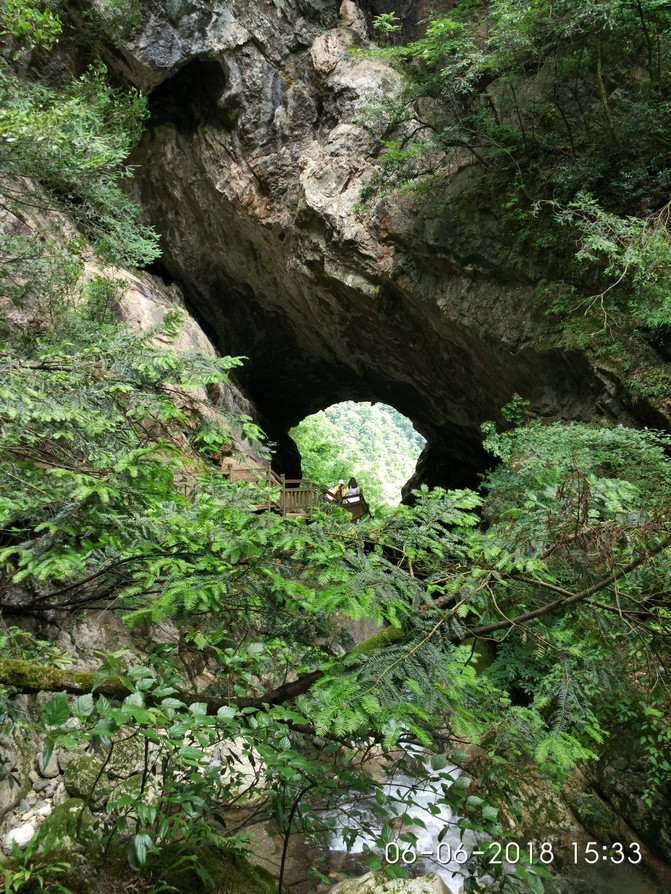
251	168
140	301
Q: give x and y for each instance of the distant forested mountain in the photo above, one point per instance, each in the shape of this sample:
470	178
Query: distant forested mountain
372	442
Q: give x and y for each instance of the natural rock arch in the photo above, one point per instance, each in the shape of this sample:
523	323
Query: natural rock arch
423	304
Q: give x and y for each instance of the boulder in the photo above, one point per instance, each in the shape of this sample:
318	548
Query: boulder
16	760
72	822
380	883
84	780
51	769
19	835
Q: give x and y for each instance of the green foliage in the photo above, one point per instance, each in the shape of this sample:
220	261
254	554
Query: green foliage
559	113
166	741
18	644
40	274
593	495
95	511
516	411
62	163
632	253
24	24
655	744
373	443
386	24
73	142
117	19
481	61
95	453
101	460
111	496
35	865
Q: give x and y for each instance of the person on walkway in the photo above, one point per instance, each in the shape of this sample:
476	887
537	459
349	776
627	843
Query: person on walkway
353	492
356	504
339	491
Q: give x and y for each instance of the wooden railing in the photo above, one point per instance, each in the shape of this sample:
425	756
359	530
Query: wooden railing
260	476
264	477
297	496
357	506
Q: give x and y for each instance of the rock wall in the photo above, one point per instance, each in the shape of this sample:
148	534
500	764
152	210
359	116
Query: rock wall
140	300
260	140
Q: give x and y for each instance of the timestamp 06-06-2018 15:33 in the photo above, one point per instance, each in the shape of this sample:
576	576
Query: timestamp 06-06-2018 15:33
511	852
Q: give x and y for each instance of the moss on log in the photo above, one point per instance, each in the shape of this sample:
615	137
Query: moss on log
379	640
27	677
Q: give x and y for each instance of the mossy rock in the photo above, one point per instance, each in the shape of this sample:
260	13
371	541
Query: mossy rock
133	786
380	883
127	756
83	779
73	825
17	757
109	871
622	777
11	793
230	872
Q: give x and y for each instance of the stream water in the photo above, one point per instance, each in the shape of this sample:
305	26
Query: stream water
449	856
444	855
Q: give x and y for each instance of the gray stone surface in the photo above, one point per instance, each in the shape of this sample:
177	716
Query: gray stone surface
16	756
623	776
260	141
380	883
66	820
83	779
21	835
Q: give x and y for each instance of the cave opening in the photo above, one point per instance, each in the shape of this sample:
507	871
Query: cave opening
367	440
196	95
293	371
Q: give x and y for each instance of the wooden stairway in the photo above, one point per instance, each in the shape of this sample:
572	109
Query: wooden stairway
297	496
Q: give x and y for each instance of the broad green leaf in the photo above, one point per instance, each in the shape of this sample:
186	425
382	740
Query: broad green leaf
82	706
56	711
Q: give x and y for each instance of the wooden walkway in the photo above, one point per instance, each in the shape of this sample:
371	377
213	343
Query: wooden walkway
298	496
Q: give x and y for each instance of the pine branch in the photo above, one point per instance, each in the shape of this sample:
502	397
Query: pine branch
28	677
575	598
